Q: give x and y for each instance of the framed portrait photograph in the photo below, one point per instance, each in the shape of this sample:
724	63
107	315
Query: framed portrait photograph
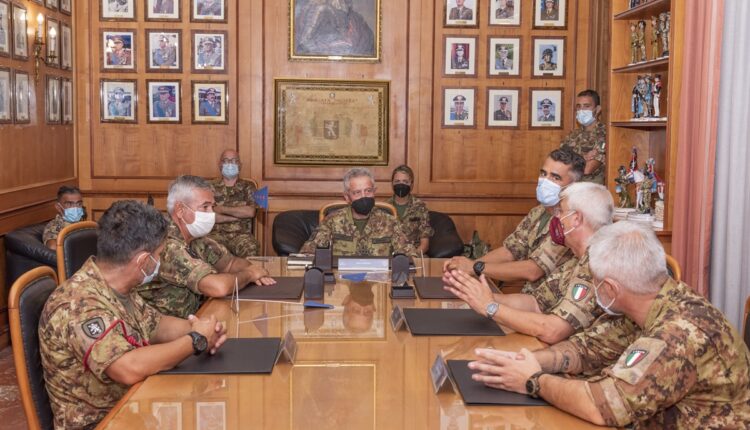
210	415
119	100
52	100
163	10
21	93
208	10
52	4
504	55
502	107
66	46
209	52
5	35
550	14
505	12
53	42
546	109
118	50
549	57
459	107
167	414
20	34
67	101
318	31
461	13
117	10
210	102
460	56
164	52
66	7
164	101
6	95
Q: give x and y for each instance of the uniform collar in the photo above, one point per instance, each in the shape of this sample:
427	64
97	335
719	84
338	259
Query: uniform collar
661	302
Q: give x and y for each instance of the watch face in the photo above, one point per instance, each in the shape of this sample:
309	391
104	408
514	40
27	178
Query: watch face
202	343
530	386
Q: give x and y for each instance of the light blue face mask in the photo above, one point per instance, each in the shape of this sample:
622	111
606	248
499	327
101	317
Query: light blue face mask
585	117
73	214
547	192
230	170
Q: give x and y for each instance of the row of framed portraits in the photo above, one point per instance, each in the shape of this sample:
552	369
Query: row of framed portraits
504	56
164	51
548	14
503	108
64	6
119	101
16	93
163	10
14	38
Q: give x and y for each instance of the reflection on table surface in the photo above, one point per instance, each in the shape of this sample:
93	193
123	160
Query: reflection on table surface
352	371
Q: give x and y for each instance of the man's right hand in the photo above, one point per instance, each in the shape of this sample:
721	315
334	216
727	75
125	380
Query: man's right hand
459	263
214	331
259	276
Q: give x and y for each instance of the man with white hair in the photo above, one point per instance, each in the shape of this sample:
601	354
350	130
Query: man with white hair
358	229
673	361
564	303
194	265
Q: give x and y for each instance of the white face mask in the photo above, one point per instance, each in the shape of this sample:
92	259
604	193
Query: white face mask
149	278
585	117
202	224
606	308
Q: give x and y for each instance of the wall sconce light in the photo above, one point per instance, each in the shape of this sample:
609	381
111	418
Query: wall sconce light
39	46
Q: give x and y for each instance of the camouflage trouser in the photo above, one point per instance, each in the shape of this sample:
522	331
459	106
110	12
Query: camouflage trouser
171	300
240	244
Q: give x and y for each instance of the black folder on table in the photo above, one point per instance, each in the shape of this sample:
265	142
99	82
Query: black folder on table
449	322
236	356
431	287
286	288
476	393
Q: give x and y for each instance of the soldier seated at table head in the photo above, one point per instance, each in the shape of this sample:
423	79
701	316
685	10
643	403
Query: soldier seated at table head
69	207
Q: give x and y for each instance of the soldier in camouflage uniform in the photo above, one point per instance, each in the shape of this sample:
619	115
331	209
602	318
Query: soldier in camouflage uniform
69	209
95	332
412	212
672	361
527	253
358	229
195	265
235	208
564	303
590	139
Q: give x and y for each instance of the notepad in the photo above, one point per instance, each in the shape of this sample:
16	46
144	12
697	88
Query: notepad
449	322
236	356
476	393
286	288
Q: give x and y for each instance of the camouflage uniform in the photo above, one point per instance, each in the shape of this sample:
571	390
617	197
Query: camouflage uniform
582	141
530	241
687	368
381	237
182	267
237	236
54	227
76	346
415	221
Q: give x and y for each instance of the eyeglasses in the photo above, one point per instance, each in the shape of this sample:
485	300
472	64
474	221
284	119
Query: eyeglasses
230	160
68	205
360	193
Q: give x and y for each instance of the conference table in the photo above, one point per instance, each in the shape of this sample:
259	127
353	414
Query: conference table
351	371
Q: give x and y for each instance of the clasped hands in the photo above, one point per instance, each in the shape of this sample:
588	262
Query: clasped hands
504	370
214	331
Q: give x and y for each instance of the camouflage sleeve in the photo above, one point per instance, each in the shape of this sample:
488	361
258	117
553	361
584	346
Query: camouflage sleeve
249	194
548	256
321	237
603	342
649	376
517	242
577	303
601	146
548	293
181	268
150	316
400	243
209	250
51	230
425	229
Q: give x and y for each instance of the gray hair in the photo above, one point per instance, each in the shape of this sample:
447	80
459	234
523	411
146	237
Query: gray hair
181	190
631	255
356	172
593	201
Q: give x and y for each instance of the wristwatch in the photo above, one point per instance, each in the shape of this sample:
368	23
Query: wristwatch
478	268
200	344
491	309
532	385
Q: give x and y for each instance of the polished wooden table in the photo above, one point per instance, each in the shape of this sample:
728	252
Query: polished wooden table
351	372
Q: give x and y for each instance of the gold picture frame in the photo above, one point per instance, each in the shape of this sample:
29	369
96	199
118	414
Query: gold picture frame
331	122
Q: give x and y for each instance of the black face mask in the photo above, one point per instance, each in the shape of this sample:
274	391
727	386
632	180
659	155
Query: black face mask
401	190
363	205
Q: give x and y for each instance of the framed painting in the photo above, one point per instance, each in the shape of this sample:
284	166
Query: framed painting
209	52
459	107
545	106
505	13
460	55
119	100
502	107
549	57
164	101
461	13
164	53
163	10
210	102
118	50
550	14
117	10
504	55
208	10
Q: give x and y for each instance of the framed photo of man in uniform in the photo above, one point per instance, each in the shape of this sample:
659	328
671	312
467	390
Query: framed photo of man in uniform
164	101
163	10
209	52
117	10
546	110
5	35
119	101
164	53
459	107
504	55
461	13
550	14
210	102
6	95
460	56
118	50
21	93
66	47
208	10
502	107
67	101
505	12
52	99
20	34
549	57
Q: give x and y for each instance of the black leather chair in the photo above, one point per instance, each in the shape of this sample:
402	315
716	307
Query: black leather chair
26	302
445	242
291	229
24	251
75	244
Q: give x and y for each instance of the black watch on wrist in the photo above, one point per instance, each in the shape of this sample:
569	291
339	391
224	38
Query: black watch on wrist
479	268
200	344
532	385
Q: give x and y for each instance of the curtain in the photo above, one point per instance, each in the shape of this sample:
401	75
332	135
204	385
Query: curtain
730	251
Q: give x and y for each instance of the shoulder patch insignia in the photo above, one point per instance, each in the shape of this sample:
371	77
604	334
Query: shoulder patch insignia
580	292
637	359
635	356
93	327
